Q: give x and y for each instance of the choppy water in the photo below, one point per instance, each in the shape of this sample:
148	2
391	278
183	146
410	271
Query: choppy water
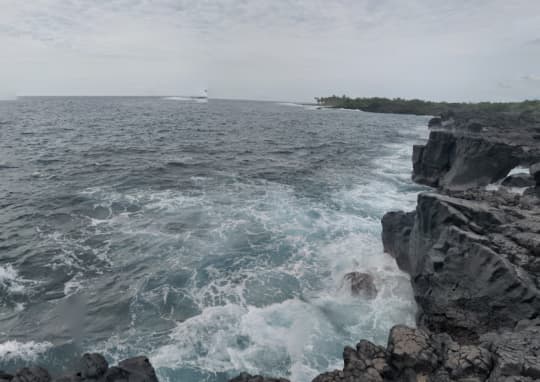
211	237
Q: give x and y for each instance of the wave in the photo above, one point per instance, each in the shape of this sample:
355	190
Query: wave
27	351
187	99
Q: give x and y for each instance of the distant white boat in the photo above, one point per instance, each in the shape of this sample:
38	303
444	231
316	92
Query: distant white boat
204	96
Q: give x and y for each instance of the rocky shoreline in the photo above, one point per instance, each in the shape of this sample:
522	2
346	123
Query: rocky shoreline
472	250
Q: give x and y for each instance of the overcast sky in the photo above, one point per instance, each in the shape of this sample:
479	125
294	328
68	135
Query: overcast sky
272	49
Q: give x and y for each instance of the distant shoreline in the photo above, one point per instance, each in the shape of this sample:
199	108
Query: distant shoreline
421	107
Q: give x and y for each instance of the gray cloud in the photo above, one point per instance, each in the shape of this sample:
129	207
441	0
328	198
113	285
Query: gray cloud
531	78
280	49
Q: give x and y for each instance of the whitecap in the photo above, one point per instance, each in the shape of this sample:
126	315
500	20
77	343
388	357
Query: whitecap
27	351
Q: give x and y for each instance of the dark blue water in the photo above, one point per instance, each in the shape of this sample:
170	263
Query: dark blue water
212	237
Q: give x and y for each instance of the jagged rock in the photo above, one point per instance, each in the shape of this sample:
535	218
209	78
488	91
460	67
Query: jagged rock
245	377
535	172
93	366
31	374
412	348
139	369
435	122
516	352
361	284
472	262
397	227
472	150
467	361
518	180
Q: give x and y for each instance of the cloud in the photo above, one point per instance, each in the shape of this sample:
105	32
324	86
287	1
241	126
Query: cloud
281	49
504	85
531	78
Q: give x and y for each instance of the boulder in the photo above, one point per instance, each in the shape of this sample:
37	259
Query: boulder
361	284
31	374
93	366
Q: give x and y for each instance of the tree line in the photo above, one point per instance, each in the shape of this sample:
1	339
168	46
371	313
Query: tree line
421	107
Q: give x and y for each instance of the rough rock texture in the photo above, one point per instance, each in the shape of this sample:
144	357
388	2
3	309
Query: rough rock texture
92	368
467	151
535	173
473	255
245	377
474	261
518	180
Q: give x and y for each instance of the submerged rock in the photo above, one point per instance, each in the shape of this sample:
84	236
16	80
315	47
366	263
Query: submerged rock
361	284
245	377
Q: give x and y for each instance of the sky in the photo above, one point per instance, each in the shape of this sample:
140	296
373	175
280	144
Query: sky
289	50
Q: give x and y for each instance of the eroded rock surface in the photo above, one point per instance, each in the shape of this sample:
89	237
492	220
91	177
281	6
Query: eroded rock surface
92	368
471	150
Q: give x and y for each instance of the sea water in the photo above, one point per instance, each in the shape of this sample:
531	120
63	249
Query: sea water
211	237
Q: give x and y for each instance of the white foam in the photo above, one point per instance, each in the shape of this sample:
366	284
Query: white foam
519	170
10	279
303	106
28	351
187	99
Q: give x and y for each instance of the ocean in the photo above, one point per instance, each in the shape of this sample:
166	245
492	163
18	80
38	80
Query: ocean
211	237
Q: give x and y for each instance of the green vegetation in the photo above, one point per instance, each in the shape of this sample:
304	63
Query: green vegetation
419	107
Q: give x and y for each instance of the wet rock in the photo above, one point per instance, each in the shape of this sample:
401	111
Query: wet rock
535	172
473	150
31	374
93	366
245	377
473	261
435	122
138	369
361	284
518	180
397	227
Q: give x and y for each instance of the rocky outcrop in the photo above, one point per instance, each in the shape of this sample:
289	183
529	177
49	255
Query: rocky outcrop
467	151
420	355
92	368
474	255
245	377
